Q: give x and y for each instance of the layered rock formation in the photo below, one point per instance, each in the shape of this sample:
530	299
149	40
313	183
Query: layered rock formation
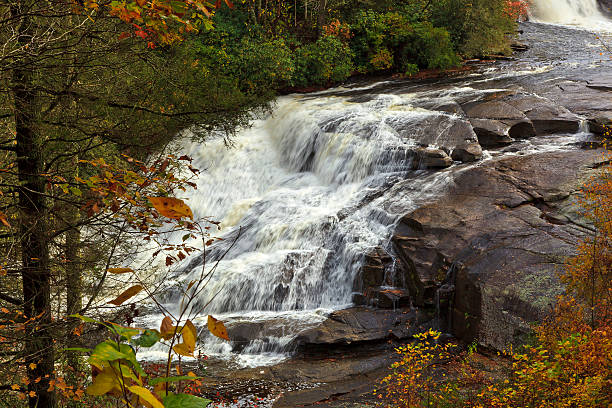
486	253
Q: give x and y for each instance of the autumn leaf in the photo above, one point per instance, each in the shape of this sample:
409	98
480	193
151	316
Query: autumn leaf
119	271
183	349
128	293
171	207
104	382
166	329
190	334
3	220
146	395
217	328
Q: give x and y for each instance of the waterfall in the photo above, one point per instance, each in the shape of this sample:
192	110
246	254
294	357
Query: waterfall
582	13
302	197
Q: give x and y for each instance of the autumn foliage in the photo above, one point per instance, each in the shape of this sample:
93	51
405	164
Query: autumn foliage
517	9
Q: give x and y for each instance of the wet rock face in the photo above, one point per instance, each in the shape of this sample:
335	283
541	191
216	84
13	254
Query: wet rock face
362	324
383	283
506	227
599	123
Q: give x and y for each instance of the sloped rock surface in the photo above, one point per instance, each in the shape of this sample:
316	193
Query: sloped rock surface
363	324
506	228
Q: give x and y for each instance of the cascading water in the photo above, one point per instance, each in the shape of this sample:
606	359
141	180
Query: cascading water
302	194
584	13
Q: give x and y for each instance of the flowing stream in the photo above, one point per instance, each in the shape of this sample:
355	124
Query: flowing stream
305	193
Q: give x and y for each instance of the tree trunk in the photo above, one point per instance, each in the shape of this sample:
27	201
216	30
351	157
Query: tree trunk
35	270
74	293
74	296
322	16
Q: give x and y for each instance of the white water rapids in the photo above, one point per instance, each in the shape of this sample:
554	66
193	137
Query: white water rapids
582	13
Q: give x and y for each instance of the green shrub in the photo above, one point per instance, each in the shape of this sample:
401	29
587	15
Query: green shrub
394	40
477	27
265	64
323	62
432	47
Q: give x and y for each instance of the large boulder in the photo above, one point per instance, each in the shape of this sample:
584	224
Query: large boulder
551	119
491	133
448	133
505	228
430	158
527	115
498	110
601	123
361	324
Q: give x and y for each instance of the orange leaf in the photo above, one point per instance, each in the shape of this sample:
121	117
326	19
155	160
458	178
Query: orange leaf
118	271
171	207
166	329
128	293
217	328
3	220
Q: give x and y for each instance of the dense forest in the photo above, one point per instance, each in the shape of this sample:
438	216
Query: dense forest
95	97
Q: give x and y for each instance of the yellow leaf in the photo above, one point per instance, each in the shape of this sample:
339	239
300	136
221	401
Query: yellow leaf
146	395
183	350
104	382
118	271
217	328
133	291
190	334
171	207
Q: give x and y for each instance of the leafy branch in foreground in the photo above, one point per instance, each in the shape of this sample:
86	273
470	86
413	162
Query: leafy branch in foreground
117	372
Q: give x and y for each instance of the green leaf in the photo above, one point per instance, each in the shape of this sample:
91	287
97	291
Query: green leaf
86	319
173	379
185	401
126	332
126	372
105	351
147	339
75	191
131	357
